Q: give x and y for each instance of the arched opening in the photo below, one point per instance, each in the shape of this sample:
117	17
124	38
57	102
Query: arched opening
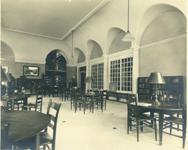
6	52
80	55
55	73
163	42
94	49
8	82
114	39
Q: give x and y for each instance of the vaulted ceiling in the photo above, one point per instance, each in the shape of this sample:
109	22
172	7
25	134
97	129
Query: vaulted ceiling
48	18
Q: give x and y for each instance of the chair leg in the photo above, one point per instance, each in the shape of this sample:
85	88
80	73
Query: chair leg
102	106
71	103
75	107
141	126
137	129
155	128
84	105
128	124
171	128
53	146
184	134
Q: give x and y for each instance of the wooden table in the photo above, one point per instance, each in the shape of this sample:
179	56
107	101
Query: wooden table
161	110
24	124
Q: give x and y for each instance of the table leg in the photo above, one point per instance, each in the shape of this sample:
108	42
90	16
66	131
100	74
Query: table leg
37	141
160	127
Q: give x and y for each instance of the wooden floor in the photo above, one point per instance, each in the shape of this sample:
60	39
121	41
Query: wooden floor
103	130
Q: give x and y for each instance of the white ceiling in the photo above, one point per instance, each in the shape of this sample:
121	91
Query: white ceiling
48	18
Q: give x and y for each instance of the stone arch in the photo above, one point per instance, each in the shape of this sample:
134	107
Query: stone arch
7	53
114	40
163	13
95	50
80	56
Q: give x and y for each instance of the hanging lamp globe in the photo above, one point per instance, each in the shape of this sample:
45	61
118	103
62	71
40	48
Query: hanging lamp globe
128	37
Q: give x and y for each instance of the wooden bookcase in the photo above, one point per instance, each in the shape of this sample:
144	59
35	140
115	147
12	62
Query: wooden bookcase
172	89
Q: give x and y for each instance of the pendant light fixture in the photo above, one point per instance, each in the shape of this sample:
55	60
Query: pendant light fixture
128	37
72	43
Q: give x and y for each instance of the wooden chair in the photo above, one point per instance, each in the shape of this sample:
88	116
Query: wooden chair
78	101
45	137
9	106
37	106
136	117
173	122
104	96
177	120
18	104
98	100
88	103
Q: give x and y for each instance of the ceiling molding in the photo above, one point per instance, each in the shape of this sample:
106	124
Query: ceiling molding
34	34
32	61
84	19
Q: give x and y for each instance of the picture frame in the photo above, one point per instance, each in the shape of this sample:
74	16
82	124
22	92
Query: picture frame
31	71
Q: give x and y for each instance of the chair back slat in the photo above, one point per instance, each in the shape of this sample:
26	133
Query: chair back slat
132	99
55	107
38	104
51	125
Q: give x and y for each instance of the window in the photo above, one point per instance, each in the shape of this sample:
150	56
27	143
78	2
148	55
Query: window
121	73
115	73
97	75
126	74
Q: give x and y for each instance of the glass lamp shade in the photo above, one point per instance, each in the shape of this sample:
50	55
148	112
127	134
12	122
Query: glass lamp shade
156	78
128	37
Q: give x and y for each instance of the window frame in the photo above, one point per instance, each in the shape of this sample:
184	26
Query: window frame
97	61
119	56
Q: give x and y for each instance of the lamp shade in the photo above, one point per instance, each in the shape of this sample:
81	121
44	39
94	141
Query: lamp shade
156	78
128	37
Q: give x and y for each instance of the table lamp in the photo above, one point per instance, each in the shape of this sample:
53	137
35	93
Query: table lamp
156	79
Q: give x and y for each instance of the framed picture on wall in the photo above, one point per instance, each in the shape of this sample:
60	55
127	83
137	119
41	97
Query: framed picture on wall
31	71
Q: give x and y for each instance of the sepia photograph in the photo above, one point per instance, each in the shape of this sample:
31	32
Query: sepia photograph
30	71
93	75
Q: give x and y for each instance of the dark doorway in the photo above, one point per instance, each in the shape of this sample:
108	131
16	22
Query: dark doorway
55	73
82	71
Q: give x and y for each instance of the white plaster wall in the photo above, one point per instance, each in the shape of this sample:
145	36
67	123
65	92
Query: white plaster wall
169	58
114	14
32	49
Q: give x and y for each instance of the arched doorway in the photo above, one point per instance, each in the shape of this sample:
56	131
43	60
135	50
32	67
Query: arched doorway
55	73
